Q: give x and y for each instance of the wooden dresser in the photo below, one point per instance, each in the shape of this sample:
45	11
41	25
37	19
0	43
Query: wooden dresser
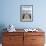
23	39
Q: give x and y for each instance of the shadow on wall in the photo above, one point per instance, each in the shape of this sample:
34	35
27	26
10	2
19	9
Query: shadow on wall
2	26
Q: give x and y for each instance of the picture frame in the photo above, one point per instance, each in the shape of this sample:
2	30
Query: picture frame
26	13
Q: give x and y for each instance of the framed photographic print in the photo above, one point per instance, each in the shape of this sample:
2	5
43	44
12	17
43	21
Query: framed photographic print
26	13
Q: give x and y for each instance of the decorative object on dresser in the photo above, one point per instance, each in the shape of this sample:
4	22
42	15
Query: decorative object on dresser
11	28
23	38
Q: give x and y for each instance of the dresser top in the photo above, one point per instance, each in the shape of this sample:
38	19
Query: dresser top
22	30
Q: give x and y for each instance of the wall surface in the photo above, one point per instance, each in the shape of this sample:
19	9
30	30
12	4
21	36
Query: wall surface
10	13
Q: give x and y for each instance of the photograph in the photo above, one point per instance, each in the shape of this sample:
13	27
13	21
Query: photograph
26	13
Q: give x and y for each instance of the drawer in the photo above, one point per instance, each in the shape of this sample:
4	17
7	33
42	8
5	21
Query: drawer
21	44
27	37
12	39
13	33
5	40
37	39
34	33
11	45
27	41
37	44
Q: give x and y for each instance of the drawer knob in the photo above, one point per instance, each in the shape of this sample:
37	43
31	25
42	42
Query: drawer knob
33	39
11	38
